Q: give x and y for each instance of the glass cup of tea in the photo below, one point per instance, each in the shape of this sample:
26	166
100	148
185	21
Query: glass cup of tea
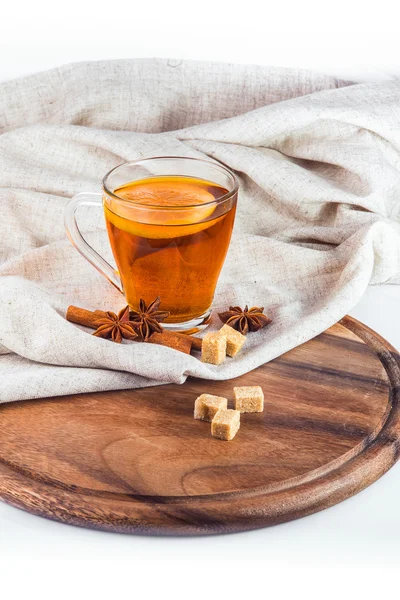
169	221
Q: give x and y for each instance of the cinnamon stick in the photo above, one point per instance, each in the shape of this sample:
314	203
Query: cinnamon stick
179	341
84	317
174	340
196	342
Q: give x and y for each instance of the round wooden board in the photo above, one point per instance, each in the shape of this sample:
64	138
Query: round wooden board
136	461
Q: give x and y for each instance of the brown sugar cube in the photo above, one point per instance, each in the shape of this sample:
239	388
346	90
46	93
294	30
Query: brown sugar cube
207	406
225	424
234	340
249	399
213	349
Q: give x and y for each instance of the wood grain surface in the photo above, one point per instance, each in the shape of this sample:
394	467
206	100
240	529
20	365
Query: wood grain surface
136	461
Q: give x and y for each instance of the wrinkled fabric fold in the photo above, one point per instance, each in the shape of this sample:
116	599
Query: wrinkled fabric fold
318	219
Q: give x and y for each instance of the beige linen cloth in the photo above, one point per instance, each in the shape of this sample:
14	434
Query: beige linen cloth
318	216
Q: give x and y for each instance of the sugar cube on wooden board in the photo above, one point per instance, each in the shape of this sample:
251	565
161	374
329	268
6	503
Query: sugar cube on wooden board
248	399
207	406
213	349
234	340
225	424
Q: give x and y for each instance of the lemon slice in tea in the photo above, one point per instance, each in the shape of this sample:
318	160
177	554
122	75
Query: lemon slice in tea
163	207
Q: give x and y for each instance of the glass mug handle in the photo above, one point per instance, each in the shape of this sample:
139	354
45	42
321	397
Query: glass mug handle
77	240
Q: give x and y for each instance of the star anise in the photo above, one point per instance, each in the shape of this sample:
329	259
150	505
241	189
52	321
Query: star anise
249	319
115	327
147	319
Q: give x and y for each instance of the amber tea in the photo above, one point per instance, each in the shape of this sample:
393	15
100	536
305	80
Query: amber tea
169	236
169	220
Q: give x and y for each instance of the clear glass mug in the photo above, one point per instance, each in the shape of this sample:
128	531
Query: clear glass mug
169	221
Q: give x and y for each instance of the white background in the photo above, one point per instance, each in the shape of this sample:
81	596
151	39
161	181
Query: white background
355	40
